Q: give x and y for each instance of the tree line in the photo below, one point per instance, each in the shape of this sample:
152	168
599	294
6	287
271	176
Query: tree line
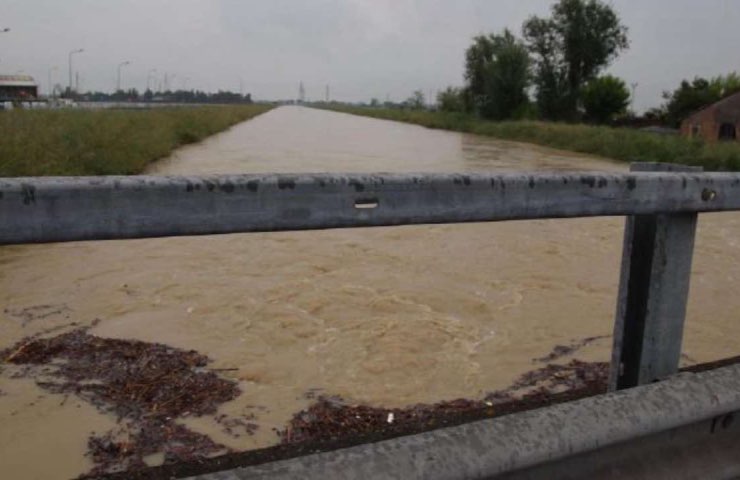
692	95
174	96
554	71
558	58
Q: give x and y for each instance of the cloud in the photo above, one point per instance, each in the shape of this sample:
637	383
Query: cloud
363	48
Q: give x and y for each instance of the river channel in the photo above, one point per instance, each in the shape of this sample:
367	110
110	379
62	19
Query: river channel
384	316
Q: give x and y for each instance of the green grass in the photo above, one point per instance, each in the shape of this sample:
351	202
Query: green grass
623	144
105	142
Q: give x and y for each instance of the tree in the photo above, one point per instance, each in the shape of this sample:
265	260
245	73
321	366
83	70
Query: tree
451	100
572	47
700	92
497	75
477	58
728	84
416	101
688	97
604	98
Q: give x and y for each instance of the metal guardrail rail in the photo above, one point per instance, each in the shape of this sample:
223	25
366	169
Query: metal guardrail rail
660	201
96	208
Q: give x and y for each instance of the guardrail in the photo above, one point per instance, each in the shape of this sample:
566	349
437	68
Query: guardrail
661	203
681	428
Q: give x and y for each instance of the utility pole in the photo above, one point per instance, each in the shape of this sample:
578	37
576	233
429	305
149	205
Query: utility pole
73	52
118	81
634	86
51	84
328	96
149	78
301	93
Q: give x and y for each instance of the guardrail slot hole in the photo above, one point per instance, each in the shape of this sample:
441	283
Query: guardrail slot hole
366	203
708	195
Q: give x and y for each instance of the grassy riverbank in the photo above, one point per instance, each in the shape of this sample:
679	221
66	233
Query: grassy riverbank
105	142
617	143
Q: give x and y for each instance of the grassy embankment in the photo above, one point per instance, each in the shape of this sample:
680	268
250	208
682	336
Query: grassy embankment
617	143
105	142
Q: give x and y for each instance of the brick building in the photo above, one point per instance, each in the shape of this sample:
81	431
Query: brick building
717	122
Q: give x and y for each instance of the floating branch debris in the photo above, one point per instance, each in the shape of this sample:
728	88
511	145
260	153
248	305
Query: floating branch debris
148	386
331	419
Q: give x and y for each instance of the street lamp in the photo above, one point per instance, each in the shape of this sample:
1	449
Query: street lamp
118	83
70	66
51	85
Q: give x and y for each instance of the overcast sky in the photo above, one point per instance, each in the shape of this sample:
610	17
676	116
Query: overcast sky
362	48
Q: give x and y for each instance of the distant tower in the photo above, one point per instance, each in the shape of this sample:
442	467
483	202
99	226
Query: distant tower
301	93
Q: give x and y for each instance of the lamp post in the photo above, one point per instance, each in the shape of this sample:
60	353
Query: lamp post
120	65
70	65
51	85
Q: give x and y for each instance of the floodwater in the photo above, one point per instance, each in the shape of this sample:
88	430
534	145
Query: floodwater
385	316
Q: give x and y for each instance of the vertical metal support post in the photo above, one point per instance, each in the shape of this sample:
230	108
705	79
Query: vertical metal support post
653	292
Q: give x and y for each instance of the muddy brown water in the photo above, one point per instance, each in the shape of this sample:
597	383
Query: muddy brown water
384	316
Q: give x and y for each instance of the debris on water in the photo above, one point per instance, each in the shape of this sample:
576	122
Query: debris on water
37	312
312	393
560	351
236	427
556	378
331	419
148	386
126	448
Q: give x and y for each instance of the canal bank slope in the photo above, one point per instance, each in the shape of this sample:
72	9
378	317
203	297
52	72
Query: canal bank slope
621	144
106	142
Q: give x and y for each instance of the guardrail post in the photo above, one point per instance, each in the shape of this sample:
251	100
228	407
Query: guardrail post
653	291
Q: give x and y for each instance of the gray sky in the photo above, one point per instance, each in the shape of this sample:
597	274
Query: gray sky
362	48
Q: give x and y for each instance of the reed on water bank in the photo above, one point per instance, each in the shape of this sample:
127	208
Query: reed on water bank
623	144
105	142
